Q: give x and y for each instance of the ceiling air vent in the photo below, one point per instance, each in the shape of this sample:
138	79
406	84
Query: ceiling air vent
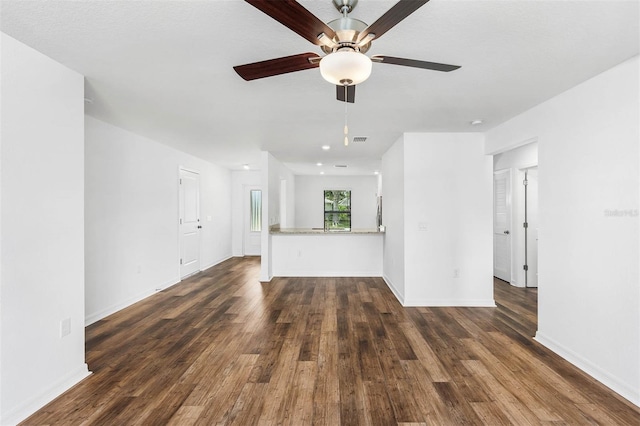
340	166
359	139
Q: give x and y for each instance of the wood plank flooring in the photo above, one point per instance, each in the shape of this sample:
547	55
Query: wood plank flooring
222	348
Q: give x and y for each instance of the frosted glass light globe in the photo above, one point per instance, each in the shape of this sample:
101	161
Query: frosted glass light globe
345	68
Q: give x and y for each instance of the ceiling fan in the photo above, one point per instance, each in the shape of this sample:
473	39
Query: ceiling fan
345	42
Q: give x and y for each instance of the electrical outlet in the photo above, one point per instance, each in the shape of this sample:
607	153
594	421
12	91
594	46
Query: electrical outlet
65	327
456	273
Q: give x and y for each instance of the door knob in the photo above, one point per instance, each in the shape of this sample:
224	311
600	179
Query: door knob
506	232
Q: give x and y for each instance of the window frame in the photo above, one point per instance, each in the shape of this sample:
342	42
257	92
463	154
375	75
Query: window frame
328	224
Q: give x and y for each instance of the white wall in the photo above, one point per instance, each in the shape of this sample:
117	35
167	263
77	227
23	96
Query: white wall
448	220
515	160
273	172
309	198
393	201
131	213
42	276
239	180
589	298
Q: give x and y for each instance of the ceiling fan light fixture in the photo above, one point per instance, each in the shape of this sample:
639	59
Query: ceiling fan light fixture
345	67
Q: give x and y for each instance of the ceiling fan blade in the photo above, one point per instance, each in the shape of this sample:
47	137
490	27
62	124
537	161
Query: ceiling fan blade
391	18
292	15
414	63
277	66
349	94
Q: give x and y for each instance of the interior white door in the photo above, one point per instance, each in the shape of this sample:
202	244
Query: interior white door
189	223
532	229
252	228
502	225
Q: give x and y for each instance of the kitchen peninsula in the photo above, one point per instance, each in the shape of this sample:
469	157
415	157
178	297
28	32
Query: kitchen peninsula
314	252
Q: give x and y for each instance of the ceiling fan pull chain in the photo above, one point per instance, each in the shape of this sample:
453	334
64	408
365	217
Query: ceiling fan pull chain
346	127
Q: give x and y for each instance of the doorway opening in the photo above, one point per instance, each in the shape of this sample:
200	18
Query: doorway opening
516	216
515	254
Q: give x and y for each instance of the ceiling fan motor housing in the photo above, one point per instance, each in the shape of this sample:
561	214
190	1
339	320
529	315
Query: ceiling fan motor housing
347	30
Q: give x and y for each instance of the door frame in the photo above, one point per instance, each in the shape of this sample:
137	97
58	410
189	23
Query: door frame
179	266
522	172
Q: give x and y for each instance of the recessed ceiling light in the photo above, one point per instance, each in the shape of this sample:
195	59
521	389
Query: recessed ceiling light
318	164
321	173
376	172
476	122
245	166
326	147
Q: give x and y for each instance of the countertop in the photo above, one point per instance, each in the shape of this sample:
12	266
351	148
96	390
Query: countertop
321	231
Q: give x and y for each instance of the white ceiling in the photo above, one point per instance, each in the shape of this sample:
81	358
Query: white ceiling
163	69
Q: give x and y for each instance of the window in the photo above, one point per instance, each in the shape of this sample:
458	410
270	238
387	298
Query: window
255	212
337	210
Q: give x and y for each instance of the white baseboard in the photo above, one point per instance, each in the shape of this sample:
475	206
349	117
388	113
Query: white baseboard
625	390
394	289
18	414
470	303
103	313
462	303
216	262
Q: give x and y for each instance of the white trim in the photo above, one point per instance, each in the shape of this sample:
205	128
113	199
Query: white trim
465	303
141	296
188	169
527	166
216	262
502	149
615	384
265	280
393	289
177	221
35	403
103	313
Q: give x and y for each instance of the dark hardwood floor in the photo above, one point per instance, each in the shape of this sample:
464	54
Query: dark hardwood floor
222	348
